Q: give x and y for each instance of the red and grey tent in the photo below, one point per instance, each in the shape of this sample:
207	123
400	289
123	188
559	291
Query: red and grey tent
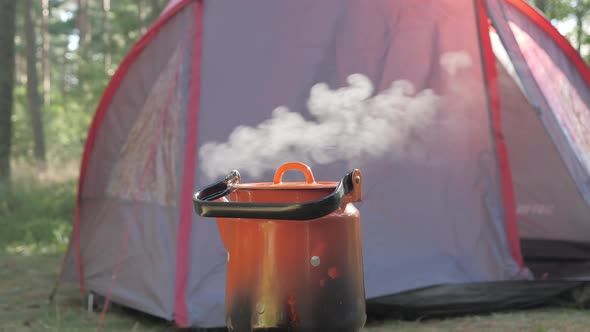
470	120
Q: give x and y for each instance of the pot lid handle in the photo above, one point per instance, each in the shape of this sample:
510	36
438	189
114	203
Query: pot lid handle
293	166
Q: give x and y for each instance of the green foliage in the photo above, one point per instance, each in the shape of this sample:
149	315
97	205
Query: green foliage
22	142
555	10
558	10
36	215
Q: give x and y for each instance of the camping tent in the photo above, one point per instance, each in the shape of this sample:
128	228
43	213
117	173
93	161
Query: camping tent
469	119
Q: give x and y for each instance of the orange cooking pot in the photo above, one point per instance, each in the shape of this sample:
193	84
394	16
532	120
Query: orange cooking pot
293	251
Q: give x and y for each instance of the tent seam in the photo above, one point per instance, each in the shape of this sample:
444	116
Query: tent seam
191	144
99	117
502	160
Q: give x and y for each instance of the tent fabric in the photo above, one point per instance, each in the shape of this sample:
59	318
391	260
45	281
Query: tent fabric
434	301
466	147
547	72
322	52
134	200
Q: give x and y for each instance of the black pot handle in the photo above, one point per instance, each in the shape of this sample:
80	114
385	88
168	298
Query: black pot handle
206	206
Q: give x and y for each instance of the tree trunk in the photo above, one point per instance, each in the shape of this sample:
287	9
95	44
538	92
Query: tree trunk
106	6
141	17
33	86
83	22
63	80
541	5
156	7
7	31
155	10
45	52
579	29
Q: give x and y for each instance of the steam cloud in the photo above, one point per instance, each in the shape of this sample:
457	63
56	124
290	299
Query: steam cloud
349	123
453	62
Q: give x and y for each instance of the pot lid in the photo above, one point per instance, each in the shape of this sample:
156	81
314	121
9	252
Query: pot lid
277	183
286	185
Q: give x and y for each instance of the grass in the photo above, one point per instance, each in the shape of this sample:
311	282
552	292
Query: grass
35	223
27	280
35	216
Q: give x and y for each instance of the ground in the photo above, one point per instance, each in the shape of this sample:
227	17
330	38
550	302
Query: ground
35	222
26	281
